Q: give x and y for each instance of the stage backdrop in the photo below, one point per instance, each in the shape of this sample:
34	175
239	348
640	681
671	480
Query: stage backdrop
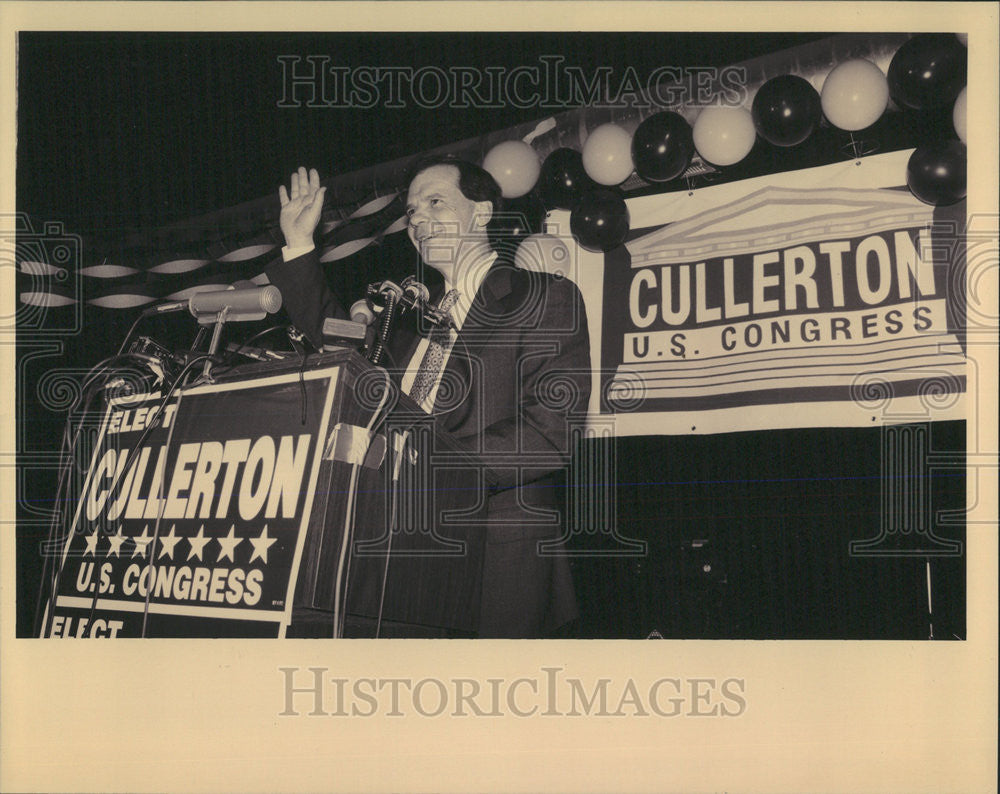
826	297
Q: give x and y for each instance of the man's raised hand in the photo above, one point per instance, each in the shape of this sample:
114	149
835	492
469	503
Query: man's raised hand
301	206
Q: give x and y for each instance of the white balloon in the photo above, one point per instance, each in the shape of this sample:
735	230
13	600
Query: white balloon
855	95
724	136
607	155
515	167
958	116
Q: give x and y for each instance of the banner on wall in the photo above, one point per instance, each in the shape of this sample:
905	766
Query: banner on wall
824	297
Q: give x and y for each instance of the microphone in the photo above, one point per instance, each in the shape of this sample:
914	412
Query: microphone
414	292
165	308
435	316
361	312
384	289
244	299
354	331
416	295
244	303
411	295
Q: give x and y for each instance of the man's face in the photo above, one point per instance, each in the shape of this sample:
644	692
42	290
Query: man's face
444	225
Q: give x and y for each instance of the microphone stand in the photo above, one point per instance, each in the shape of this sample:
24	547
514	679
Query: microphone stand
385	328
213	347
396	300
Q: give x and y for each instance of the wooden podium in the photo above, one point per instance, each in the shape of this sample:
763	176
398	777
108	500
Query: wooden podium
300	499
413	561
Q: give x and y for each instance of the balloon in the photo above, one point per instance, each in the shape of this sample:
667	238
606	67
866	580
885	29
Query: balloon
928	71
786	110
516	220
724	136
514	165
935	173
544	253
600	219
958	116
563	179
607	155
855	95
662	147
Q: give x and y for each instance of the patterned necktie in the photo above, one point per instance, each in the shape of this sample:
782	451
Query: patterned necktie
438	342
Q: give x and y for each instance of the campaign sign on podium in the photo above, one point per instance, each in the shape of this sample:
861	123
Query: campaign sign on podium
194	525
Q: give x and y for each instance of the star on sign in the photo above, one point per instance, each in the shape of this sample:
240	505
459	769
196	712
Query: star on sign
229	544
261	544
91	544
167	543
116	542
142	542
198	543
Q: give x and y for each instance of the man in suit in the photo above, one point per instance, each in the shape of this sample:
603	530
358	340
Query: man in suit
507	382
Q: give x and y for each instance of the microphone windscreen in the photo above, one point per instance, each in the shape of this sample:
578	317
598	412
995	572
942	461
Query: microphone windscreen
361	313
270	299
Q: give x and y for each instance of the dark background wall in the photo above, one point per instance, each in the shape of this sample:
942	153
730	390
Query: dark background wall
749	535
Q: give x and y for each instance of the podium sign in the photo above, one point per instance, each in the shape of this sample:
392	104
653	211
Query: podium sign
195	525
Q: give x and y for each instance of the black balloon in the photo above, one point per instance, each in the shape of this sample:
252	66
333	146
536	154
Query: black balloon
600	221
936	173
928	71
786	110
662	147
517	219
563	180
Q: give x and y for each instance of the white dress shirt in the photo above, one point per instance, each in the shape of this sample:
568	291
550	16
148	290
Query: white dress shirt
468	287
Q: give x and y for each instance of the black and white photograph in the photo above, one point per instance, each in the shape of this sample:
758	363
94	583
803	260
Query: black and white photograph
408	367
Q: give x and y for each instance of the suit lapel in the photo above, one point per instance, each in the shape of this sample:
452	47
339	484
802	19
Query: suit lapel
489	303
403	343
477	329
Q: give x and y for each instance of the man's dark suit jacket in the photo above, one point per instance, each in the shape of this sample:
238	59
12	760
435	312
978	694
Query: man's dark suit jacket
518	377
